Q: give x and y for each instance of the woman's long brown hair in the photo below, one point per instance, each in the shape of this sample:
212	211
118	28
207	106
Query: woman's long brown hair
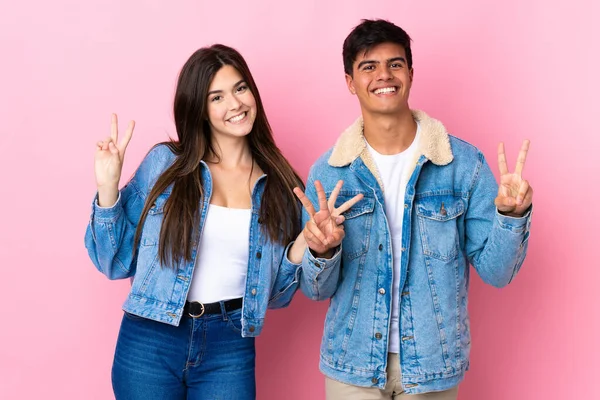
279	211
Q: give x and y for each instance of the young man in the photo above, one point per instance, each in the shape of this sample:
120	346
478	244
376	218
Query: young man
398	322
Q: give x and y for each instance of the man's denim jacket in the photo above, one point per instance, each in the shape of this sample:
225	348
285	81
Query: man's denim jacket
450	221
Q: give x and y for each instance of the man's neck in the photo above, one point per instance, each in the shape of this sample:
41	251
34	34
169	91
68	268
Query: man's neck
389	134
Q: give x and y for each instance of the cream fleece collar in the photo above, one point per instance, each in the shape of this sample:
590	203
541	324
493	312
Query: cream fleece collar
434	144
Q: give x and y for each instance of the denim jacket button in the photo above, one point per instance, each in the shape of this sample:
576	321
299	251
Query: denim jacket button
253	291
380	247
258	255
381	291
374	380
251	328
378	335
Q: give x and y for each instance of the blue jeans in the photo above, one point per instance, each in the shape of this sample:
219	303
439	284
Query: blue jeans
202	358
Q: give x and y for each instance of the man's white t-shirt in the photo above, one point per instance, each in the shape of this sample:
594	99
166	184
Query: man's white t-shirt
394	175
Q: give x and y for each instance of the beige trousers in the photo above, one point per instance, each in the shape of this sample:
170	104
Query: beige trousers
393	389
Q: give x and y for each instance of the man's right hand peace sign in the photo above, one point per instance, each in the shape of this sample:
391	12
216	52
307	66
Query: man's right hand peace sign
109	157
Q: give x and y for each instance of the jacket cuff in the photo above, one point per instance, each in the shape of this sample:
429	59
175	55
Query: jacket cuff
515	224
106	214
319	263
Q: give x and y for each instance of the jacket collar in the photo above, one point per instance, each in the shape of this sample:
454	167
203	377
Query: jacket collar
434	145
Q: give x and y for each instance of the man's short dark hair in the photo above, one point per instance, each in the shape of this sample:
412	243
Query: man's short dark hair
370	33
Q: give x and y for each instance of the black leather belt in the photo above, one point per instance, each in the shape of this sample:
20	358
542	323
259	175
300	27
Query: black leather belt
196	309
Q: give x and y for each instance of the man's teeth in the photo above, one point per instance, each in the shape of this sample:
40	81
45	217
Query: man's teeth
237	118
385	90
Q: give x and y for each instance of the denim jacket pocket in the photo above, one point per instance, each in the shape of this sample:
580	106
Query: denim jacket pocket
147	258
153	222
438	217
358	220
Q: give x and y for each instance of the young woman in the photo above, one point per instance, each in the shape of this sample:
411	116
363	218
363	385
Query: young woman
208	229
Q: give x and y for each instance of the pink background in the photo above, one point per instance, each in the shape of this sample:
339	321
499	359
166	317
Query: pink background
490	70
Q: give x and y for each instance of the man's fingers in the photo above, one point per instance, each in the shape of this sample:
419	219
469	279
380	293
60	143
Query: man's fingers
313	233
522	192
502	166
522	157
334	195
321	196
348	204
505	203
337	236
528	198
305	201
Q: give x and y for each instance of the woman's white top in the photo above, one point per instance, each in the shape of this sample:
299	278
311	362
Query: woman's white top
222	261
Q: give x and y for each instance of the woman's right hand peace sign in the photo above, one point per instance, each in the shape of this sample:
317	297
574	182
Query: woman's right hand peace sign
110	154
109	157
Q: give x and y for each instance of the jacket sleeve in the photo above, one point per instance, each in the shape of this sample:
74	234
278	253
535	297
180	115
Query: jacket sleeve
495	244
286	282
320	276
110	233
111	230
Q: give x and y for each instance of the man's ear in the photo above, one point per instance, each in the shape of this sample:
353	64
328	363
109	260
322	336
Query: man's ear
350	84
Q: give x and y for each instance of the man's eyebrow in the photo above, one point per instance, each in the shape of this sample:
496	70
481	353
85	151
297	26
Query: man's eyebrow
397	59
360	64
364	62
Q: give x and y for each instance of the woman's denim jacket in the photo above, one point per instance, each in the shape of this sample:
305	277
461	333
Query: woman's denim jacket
158	292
